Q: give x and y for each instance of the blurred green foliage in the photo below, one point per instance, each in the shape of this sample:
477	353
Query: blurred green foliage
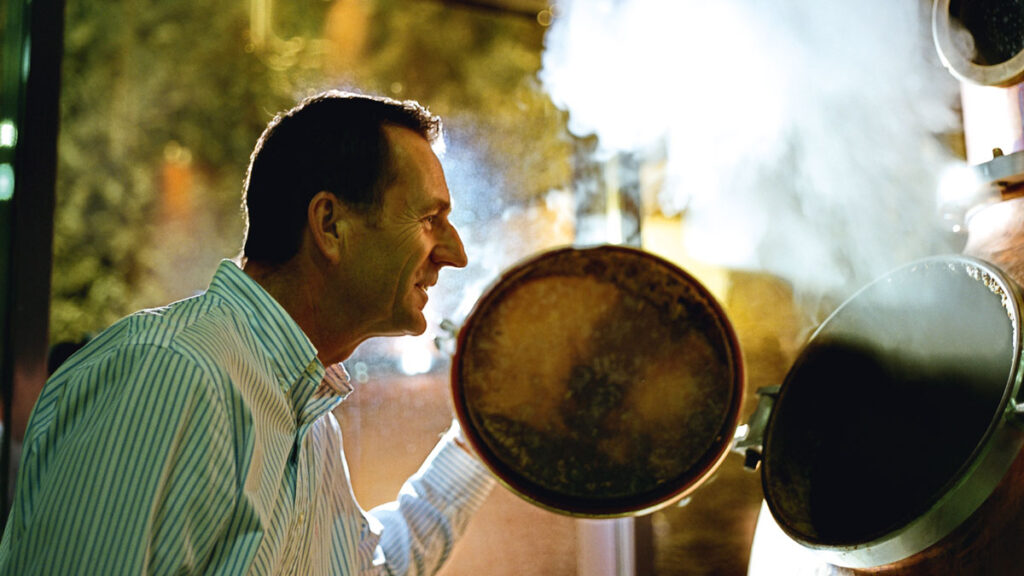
477	69
149	84
138	74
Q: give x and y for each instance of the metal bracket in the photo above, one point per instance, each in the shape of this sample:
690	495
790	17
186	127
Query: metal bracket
749	438
446	340
1016	411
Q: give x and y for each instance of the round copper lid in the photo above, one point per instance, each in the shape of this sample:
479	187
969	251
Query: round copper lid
598	382
897	419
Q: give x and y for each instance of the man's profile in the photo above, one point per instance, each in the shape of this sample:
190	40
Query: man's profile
198	438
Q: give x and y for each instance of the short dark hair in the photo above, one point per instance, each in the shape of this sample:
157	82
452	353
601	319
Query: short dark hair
333	141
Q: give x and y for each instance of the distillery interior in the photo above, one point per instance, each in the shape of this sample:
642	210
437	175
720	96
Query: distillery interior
791	229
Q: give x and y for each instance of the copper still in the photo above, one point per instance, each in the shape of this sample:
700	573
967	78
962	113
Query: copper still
894	446
982	44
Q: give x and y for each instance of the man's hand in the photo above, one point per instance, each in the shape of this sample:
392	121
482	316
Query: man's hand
459	438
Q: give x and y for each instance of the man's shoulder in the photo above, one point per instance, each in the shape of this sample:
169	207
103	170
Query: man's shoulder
201	329
152	353
204	315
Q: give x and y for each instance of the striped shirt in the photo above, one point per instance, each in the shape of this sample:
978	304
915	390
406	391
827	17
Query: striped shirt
198	438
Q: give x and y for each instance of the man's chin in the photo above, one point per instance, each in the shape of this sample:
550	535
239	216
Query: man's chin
417	331
414	325
401	327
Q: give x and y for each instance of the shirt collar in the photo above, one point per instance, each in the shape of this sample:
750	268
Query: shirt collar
292	355
337	381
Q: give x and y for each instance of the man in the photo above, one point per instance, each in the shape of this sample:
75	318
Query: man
198	437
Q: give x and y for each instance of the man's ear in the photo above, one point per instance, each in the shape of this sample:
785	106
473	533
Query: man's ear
325	219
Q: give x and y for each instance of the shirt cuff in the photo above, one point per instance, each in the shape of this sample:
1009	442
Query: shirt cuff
467	481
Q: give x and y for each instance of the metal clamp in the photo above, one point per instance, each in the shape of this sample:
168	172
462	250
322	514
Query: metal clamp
749	438
1015	410
446	340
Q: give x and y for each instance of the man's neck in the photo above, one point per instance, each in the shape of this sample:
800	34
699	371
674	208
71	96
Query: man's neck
298	286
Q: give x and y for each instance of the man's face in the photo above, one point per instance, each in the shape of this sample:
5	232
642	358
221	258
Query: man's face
400	251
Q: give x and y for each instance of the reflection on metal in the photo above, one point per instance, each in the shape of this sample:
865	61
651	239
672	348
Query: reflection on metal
605	547
1004	173
6	182
8	134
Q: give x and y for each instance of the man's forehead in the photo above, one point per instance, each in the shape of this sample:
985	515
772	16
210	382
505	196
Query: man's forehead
419	180
422	200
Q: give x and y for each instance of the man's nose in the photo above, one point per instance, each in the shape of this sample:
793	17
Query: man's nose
450	251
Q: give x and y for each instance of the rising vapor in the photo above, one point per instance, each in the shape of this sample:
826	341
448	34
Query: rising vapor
800	137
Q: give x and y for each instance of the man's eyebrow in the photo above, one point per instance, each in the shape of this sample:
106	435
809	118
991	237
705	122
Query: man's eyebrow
439	205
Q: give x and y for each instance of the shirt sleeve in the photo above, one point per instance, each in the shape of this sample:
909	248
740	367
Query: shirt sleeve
417	531
128	470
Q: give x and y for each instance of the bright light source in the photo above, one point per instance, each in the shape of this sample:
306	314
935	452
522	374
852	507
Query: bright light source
8	134
959	189
416	357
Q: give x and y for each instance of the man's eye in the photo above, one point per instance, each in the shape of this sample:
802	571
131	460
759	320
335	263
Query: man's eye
430	220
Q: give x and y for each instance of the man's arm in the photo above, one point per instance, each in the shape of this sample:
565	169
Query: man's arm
418	530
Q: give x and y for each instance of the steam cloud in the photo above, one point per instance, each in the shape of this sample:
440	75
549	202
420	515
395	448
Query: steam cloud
800	136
